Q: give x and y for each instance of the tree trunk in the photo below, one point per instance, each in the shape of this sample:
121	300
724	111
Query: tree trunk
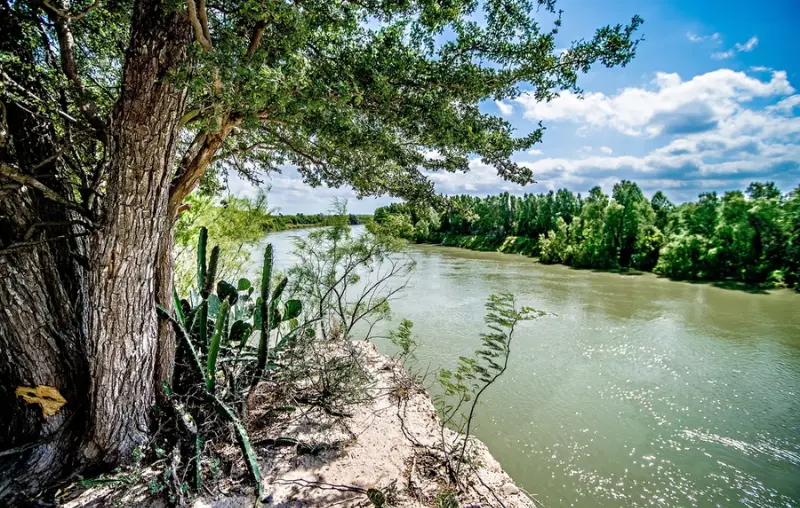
42	327
123	327
80	314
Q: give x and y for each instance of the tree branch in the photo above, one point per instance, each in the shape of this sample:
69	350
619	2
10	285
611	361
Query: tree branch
66	45
255	40
68	16
49	193
24	245
200	30
197	158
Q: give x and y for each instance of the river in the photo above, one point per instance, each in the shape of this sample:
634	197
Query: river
635	391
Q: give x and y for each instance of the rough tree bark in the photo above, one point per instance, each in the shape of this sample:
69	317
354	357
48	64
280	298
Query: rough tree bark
123	326
79	313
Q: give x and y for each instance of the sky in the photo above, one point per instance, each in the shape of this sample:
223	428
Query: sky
710	103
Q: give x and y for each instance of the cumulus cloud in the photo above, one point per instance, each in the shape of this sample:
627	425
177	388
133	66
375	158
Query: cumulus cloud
746	47
288	194
693	37
718	139
672	106
505	109
534	151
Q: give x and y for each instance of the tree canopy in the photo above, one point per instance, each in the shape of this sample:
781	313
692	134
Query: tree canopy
350	92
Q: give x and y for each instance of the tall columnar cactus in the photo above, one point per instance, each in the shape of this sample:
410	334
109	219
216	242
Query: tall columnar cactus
213	347
211	273
263	343
202	240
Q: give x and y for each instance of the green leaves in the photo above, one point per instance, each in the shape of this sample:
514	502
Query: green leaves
226	291
292	309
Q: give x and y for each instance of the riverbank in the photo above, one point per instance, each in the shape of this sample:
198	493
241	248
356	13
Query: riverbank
390	445
529	247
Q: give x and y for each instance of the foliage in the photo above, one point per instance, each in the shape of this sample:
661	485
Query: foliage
346	283
464	386
351	92
232	366
234	223
403	339
349	278
752	237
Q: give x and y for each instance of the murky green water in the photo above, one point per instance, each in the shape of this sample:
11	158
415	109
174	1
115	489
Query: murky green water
639	391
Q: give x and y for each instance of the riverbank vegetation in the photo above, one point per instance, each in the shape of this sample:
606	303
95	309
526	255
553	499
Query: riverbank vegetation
276	372
236	224
751	236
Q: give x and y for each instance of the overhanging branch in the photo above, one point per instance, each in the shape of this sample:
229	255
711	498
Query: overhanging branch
66	45
49	193
199	23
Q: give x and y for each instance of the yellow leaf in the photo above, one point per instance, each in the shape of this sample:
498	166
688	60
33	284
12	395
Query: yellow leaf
46	396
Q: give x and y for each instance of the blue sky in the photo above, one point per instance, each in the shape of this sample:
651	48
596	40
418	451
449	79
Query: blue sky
711	102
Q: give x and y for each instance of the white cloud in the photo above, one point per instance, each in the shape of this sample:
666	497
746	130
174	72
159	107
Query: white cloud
786	105
723	55
760	68
747	47
534	151
745	142
673	107
288	194
505	109
693	37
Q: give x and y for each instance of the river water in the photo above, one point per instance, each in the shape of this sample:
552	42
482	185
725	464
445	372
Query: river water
636	391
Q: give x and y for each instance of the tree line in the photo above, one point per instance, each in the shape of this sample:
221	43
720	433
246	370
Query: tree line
751	236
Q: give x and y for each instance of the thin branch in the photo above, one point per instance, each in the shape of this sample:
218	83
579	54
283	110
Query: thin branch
7	79
197	24
66	45
71	17
49	193
239	151
40	225
24	245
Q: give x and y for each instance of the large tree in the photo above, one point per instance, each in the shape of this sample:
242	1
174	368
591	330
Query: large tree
112	113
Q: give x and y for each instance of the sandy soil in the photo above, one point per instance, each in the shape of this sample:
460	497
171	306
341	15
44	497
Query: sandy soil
389	444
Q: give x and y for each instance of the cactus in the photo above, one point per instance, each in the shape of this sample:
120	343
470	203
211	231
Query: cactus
226	291
211	273
240	332
213	348
265	309
201	257
176	302
202	318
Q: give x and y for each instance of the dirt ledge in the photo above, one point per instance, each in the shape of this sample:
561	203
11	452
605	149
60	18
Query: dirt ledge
390	444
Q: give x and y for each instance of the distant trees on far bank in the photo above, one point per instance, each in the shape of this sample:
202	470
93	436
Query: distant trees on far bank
751	236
